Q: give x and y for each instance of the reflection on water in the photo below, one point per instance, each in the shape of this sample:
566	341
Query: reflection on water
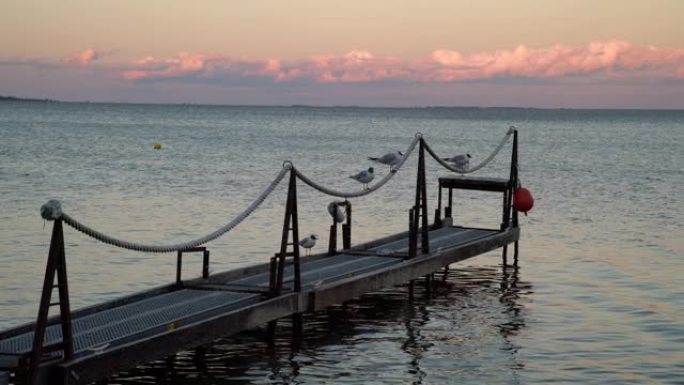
384	337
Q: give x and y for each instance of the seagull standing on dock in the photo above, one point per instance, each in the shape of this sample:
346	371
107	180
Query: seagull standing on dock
336	212
391	159
308	243
461	161
365	177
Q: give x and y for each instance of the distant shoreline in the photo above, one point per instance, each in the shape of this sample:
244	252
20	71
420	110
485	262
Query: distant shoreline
311	106
15	99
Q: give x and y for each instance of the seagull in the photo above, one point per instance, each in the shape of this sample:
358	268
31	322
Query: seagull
365	177
336	212
461	161
391	159
308	243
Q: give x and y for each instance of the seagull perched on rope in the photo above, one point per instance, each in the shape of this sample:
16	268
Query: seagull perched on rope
461	161
365	177
391	159
308	243
336	212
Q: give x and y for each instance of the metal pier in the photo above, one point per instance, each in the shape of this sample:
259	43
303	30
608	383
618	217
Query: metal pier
78	347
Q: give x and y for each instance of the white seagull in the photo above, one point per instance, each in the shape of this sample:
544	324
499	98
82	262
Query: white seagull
461	161
337	212
391	159
308	243
365	177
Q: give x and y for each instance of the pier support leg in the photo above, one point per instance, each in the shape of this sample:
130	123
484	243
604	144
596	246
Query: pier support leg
505	256
297	330
411	287
428	285
446	273
271	332
515	253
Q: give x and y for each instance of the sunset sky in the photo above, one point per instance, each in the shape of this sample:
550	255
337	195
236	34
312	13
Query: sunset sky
558	53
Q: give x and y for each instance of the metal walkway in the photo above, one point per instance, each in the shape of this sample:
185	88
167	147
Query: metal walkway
160	313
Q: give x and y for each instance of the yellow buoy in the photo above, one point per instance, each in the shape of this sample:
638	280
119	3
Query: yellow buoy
157	146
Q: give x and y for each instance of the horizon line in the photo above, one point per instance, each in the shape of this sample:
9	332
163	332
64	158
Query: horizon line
299	105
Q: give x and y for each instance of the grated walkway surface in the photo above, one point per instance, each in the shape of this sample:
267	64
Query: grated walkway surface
160	313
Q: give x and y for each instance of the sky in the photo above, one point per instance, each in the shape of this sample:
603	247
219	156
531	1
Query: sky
517	53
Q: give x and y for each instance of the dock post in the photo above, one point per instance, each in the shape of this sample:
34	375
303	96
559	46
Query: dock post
205	264
421	201
438	210
179	267
347	227
411	287
332	240
413	237
514	172
290	224
56	263
448	211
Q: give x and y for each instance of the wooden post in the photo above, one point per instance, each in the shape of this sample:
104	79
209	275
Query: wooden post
56	263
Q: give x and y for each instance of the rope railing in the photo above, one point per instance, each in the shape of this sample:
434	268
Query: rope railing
479	165
356	194
52	210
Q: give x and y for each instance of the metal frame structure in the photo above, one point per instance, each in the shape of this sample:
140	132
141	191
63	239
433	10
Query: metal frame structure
276	300
509	216
56	265
418	214
179	262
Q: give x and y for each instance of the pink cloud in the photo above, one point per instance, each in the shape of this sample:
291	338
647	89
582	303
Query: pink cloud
611	58
83	58
556	61
182	65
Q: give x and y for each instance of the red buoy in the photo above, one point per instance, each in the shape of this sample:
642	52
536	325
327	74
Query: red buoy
522	200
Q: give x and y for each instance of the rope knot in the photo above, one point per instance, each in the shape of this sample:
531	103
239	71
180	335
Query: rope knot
288	165
418	135
52	210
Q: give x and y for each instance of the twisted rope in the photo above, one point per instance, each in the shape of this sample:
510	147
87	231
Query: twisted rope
52	210
356	194
479	165
166	248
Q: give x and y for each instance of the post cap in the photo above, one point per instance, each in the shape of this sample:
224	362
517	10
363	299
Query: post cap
51	210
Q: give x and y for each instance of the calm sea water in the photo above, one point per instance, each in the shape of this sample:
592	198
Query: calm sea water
598	297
